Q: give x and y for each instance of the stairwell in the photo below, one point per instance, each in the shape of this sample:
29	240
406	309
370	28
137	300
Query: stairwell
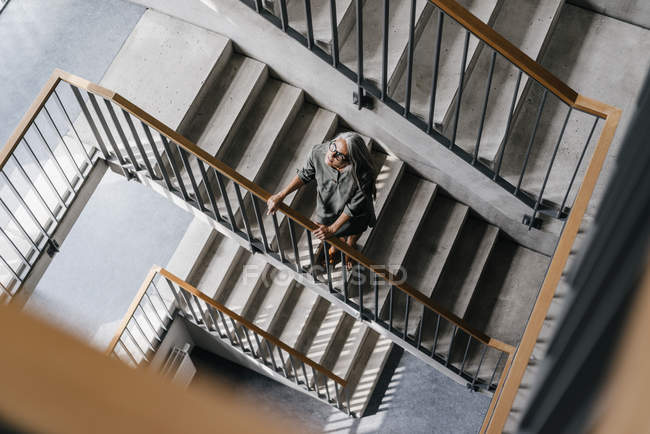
240	110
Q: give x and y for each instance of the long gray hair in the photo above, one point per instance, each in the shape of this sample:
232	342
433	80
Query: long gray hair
360	160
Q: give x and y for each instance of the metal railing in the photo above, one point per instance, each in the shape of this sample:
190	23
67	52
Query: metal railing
140	146
163	295
42	169
521	77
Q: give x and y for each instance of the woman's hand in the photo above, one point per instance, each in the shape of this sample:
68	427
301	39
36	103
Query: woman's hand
273	202
323	232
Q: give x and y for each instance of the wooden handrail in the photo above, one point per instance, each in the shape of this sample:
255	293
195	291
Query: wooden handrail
157	270
502	401
520	59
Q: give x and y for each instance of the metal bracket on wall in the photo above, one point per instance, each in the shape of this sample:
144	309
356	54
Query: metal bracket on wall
52	247
537	223
366	100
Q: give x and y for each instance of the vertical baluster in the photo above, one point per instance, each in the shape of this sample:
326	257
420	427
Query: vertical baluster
248	340
138	144
459	96
511	112
338	394
462	366
107	131
409	64
315	378
548	171
496	367
65	145
304	373
344	271
242	208
45	175
294	243
434	79
419	341
10	268
310	29
327	266
480	362
20	254
384	53
295	371
575	172
157	157
190	173
311	255
335	34
435	336
376	287
237	334
161	299
258	6
224	195
155	311
451	345
72	127
359	12
208	188
276	228
485	104
406	317
390	308
260	352
91	122
268	348
175	169
188	302
284	16
56	161
149	323
137	325
137	345
260	223
327	389
120	133
40	197
282	362
231	335
360	285
202	312
532	140
24	204
126	350
215	320
19	226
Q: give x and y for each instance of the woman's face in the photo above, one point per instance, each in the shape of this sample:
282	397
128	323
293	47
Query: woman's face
338	157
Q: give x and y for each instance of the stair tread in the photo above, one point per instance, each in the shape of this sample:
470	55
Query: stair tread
224	107
527	25
465	266
295	322
363	381
266	123
216	264
451	53
235	292
373	18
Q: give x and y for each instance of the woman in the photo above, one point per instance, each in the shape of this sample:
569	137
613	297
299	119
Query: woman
345	177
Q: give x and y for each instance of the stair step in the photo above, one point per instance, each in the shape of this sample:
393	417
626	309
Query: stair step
327	329
429	255
451	55
366	369
465	266
293	314
217	264
527	25
224	107
263	128
321	19
167	93
373	18
235	290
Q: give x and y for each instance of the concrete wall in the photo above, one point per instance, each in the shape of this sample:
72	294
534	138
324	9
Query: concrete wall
631	11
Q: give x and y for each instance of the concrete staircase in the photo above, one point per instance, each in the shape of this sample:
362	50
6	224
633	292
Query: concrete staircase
263	128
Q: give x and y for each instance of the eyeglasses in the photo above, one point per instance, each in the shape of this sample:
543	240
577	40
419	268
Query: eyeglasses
338	155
